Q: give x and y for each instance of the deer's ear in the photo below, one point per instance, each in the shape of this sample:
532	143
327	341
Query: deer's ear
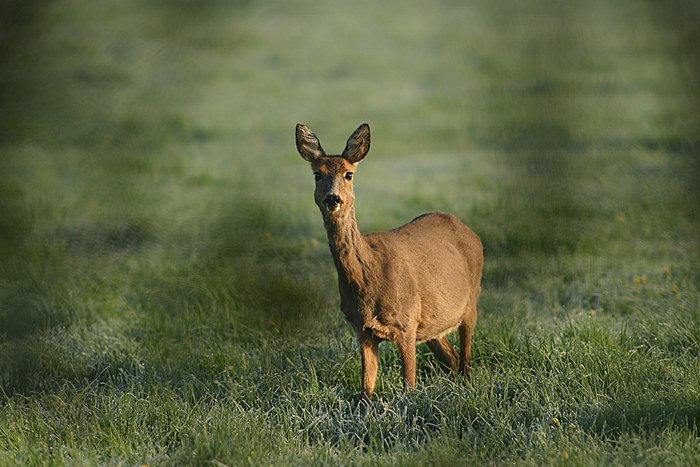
358	145
308	144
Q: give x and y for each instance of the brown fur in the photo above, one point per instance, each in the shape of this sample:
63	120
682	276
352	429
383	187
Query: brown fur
413	284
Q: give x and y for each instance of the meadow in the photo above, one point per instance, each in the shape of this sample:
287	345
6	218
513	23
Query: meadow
166	292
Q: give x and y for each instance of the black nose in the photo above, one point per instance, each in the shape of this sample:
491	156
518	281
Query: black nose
332	201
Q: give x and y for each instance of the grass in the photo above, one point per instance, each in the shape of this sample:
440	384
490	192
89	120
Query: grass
166	292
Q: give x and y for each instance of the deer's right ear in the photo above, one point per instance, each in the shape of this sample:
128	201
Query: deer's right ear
308	144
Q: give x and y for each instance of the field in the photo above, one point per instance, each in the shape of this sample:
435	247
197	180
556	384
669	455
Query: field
166	292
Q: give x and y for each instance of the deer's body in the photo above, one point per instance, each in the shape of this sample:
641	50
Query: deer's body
413	284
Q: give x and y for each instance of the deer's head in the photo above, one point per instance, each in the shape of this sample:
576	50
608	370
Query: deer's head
334	191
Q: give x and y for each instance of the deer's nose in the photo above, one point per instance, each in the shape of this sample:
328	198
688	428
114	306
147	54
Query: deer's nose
332	202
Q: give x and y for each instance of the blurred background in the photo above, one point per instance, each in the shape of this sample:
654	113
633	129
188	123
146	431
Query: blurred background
151	192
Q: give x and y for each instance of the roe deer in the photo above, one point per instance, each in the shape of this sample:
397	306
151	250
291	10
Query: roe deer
413	284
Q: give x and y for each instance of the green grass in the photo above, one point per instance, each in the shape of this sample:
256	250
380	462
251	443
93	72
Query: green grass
166	291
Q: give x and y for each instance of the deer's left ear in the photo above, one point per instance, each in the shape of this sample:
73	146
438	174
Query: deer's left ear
308	144
358	145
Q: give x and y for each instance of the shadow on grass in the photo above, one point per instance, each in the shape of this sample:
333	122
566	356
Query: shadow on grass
680	19
15	221
254	272
253	281
66	267
537	211
546	207
49	141
671	412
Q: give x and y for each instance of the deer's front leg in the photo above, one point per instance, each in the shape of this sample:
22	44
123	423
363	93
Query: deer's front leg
407	347
369	347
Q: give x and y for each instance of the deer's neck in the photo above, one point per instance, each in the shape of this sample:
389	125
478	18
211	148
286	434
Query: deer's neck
353	256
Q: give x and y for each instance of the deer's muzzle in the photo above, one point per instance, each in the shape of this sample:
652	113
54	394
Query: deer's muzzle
332	202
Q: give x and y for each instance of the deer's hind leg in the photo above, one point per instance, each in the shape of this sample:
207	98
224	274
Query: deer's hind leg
466	330
444	352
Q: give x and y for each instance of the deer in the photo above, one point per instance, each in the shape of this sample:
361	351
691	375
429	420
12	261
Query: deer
413	284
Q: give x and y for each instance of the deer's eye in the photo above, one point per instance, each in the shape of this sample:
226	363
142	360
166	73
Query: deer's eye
318	176
348	176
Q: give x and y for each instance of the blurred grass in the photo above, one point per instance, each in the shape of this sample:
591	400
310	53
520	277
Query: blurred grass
166	292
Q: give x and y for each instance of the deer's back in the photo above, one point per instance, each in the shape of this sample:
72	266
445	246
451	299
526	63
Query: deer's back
434	237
